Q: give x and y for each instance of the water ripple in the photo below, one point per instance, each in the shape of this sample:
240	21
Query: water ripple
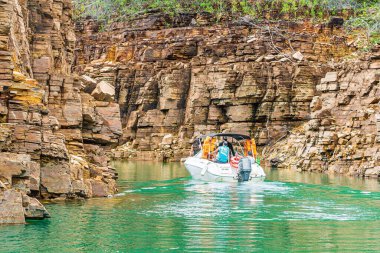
161	209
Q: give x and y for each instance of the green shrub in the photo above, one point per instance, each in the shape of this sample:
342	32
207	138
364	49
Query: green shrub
104	9
364	14
366	23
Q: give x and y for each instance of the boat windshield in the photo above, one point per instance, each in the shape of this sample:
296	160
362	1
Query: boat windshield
233	138
238	137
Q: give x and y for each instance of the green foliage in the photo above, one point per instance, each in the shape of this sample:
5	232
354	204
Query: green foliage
366	23
364	14
104	9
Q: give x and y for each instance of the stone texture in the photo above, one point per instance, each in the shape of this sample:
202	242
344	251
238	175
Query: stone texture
34	209
197	79
298	56
173	84
89	84
41	113
104	92
11	208
342	135
170	84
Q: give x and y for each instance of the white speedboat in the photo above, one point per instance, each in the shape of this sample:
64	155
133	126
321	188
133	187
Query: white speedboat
204	169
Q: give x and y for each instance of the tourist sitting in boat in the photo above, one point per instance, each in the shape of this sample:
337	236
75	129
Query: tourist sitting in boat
225	167
208	148
223	153
228	144
196	146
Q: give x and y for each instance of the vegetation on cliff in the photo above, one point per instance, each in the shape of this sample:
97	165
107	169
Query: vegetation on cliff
105	9
361	15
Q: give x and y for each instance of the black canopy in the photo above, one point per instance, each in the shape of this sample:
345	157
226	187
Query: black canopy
237	137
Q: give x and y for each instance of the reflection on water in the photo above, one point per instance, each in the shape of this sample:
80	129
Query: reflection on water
160	208
368	184
142	171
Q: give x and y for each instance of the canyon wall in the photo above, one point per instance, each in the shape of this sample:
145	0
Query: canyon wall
302	90
177	78
154	83
45	151
343	133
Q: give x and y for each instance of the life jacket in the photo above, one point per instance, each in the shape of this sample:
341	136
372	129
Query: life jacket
247	147
213	144
223	154
250	145
254	150
208	147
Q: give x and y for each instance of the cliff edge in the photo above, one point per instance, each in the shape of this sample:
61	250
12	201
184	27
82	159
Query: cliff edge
42	151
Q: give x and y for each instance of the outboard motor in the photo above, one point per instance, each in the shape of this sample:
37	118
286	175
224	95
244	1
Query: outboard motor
244	169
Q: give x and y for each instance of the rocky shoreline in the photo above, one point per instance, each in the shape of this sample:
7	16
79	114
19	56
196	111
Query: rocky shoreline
73	96
46	150
343	133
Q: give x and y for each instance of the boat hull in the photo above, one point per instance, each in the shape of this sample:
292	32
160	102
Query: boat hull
202	169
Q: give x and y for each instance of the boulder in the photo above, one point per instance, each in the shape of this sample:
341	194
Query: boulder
11	208
298	56
34	209
330	77
14	165
89	84
373	172
55	177
18	77
104	92
99	189
167	140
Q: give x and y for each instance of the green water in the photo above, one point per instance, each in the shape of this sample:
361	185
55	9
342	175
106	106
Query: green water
160	208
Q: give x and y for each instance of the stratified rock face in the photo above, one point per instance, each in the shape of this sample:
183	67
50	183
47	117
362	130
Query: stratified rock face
197	79
343	134
11	207
42	151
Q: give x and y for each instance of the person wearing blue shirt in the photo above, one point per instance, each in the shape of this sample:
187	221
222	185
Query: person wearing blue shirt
228	144
223	153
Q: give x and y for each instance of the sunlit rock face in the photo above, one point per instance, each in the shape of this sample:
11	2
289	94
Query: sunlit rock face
343	134
199	77
42	151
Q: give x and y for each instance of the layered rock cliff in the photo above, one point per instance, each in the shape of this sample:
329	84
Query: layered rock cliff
45	151
177	78
289	84
156	82
343	133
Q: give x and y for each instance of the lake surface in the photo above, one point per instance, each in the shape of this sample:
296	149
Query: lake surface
160	208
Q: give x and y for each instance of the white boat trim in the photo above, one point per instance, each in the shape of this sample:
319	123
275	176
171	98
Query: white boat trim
200	168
